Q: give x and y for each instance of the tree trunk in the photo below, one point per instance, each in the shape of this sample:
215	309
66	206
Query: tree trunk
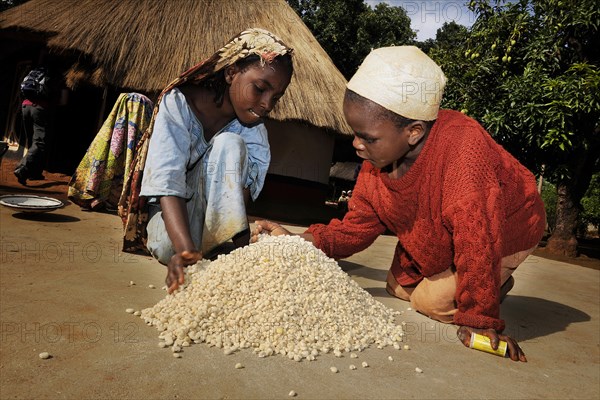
563	240
570	190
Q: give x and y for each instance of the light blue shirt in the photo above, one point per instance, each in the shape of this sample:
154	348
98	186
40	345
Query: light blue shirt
178	142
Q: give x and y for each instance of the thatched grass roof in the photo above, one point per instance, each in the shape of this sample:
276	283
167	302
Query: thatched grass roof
143	44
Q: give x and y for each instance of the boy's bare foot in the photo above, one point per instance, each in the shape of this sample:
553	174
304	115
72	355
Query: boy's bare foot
395	290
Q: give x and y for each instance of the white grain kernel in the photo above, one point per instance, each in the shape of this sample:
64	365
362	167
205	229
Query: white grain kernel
390	358
177	355
352	367
365	364
44	355
334	370
292	393
152	286
353	355
239	366
406	347
129	310
418	370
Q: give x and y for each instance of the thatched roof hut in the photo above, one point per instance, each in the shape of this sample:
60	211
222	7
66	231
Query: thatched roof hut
142	44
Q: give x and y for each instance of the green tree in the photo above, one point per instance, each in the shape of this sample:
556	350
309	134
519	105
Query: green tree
451	35
591	204
349	29
381	27
529	72
446	50
550	200
334	23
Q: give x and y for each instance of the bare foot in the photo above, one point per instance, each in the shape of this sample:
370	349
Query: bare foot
395	290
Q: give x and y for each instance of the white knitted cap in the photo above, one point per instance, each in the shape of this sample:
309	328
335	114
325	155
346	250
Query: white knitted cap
402	79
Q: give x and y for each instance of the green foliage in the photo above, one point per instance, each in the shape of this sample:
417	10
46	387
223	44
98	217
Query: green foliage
349	29
446	50
334	24
590	214
529	72
550	198
451	35
383	26
591	203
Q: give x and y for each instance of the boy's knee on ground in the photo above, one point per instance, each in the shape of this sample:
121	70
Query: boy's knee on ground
438	309
434	297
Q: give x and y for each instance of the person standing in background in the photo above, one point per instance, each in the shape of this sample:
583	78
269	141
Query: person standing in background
39	90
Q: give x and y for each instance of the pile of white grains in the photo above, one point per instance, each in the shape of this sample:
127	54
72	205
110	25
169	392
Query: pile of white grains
280	295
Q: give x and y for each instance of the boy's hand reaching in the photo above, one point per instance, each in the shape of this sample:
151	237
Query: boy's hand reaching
175	273
267	227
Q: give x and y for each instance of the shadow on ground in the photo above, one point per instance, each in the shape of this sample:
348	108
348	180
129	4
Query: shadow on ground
46	217
526	317
529	318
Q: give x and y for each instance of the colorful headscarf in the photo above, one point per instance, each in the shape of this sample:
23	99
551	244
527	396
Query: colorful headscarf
253	41
132	207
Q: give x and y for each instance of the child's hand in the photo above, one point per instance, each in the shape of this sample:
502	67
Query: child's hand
514	351
268	227
175	273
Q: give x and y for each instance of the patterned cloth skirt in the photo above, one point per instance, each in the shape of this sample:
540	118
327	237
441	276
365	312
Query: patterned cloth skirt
98	181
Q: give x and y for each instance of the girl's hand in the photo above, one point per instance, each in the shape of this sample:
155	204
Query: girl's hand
175	273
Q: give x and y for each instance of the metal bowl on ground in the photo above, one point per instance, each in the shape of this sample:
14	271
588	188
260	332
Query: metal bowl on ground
30	203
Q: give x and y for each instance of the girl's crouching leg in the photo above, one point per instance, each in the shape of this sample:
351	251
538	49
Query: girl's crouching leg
159	243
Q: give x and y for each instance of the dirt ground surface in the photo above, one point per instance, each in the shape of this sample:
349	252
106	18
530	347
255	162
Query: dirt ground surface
65	285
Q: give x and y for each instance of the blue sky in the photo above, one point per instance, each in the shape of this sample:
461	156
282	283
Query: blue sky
428	16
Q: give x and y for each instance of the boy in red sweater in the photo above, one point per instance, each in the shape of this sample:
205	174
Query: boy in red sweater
466	212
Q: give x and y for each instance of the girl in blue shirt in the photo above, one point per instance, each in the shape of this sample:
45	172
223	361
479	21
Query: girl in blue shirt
208	153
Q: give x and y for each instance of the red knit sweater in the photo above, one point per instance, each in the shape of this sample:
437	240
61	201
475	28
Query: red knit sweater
464	202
